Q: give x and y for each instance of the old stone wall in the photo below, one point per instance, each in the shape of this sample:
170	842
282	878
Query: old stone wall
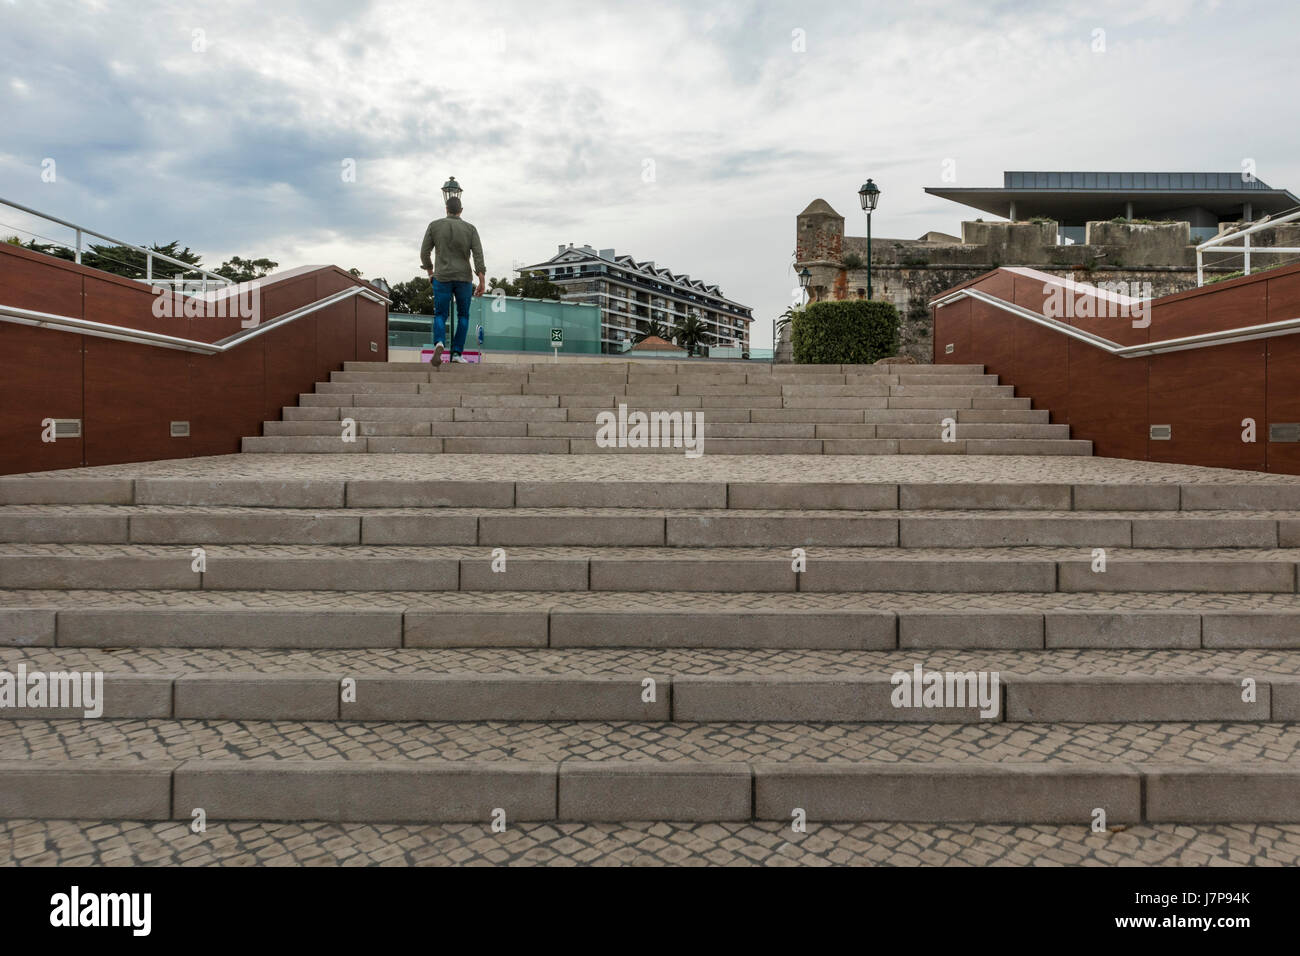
1152	259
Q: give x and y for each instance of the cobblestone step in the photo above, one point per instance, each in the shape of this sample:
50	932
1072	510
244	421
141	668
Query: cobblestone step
657	370
206	525
355	694
1010	773
439	568
1065	623
316	481
281	445
1269	664
646	843
712	430
413	412
586	392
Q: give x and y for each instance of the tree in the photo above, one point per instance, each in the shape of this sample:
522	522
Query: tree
245	270
128	262
654	328
121	260
692	333
783	323
59	252
529	285
414	297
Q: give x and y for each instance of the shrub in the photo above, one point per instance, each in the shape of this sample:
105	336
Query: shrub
1209	280
849	332
852	260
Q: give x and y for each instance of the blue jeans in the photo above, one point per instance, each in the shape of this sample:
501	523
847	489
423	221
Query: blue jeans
442	295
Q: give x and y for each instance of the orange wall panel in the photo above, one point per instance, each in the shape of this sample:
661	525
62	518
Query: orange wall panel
372	326
132	394
41	375
1108	402
336	338
952	327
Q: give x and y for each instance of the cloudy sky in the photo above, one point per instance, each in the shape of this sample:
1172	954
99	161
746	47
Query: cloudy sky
690	133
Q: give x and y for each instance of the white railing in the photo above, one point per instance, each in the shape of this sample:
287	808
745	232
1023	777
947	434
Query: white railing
149	254
68	323
1204	340
1217	244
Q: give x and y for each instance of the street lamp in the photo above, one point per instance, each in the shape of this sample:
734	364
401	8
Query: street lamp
805	277
450	189
869	195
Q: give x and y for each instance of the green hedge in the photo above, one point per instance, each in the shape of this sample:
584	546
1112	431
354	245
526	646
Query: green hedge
849	332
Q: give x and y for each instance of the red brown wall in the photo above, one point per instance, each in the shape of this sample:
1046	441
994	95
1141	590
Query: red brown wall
127	395
1204	394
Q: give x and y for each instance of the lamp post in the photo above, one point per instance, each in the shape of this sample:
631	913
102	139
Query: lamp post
869	195
451	189
805	277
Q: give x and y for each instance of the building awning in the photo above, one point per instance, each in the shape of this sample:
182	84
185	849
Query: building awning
1077	197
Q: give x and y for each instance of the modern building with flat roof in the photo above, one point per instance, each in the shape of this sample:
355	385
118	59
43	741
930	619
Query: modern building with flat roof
1072	199
633	294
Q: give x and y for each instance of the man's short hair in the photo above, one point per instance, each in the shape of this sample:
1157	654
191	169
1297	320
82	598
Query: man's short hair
453	205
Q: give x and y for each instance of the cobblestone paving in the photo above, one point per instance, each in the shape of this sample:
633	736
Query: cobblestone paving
1259	664
652	600
769	468
472	552
1208	743
225	511
116	843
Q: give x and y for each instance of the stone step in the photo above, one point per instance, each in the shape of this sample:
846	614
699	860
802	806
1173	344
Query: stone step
552	776
451	393
716	429
878	386
833	569
659	367
145	524
895	695
467	445
857	621
922	416
641	482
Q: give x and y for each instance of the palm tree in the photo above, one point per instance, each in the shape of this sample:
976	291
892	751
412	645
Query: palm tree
691	333
654	328
783	323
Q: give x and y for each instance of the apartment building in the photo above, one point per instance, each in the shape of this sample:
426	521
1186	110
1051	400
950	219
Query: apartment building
632	294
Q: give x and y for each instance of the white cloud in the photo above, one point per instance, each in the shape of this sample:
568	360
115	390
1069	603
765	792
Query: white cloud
546	113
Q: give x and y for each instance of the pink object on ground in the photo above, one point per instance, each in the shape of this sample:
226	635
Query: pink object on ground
426	355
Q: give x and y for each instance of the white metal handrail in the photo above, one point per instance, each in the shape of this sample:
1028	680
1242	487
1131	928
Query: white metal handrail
149	254
1204	340
68	323
1217	244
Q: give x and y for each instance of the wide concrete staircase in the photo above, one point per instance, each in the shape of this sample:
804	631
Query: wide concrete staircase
747	409
510	637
